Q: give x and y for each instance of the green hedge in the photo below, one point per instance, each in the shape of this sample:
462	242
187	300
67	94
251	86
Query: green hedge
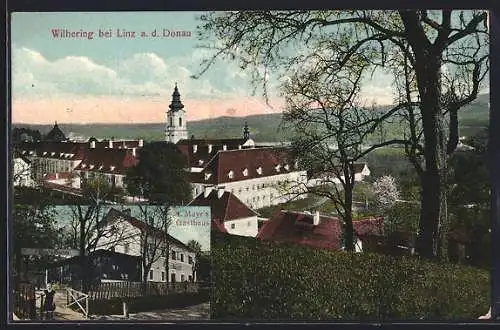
261	280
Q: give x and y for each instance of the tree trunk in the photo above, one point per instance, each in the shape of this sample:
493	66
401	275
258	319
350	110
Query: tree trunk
348	226
435	156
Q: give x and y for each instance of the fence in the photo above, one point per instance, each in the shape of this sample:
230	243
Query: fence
25	301
106	291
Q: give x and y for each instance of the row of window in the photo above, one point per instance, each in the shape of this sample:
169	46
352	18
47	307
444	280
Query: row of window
173	277
258	170
174	255
249	224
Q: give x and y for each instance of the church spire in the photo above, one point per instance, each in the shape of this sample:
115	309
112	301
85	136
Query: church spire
176	100
246	131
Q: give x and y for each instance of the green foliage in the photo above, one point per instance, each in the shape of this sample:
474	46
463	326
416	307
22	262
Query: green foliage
261	280
160	175
402	216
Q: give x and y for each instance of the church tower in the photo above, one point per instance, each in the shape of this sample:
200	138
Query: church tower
176	119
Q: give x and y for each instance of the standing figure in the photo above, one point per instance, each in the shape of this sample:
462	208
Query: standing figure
49	305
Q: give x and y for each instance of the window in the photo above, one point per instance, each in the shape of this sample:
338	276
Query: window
245	172
190	260
172	278
151	274
183	278
173	255
249	223
239	190
231	174
180	121
190	278
182	257
171	122
233	226
126	247
163	276
259	170
248	188
253	187
287	167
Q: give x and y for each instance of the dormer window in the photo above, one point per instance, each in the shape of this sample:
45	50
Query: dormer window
52	153
259	171
278	167
100	167
245	172
84	165
195	148
287	168
31	152
224	147
61	154
91	166
200	162
207	176
231	174
24	152
44	153
112	168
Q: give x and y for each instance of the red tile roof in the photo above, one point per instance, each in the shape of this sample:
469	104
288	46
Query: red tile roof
187	147
259	162
58	150
226	208
62	188
115	214
297	227
116	144
59	175
113	161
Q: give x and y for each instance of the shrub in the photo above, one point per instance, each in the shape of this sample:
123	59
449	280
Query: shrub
262	280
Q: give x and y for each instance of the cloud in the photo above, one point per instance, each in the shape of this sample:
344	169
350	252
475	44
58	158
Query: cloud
141	74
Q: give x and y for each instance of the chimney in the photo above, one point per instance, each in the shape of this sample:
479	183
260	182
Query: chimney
57	175
224	147
92	144
133	152
209	148
110	144
316	218
195	148
141	143
239	146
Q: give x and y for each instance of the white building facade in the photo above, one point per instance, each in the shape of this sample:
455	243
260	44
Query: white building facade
128	239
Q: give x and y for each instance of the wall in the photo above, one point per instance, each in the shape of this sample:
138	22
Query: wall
243	227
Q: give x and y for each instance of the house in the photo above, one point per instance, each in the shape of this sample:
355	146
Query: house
228	212
361	171
107	266
315	230
259	177
126	235
110	164
22	171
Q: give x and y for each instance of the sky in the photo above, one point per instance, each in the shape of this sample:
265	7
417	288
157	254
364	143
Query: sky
184	232
119	79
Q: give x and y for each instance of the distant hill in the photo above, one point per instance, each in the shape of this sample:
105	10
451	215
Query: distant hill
264	128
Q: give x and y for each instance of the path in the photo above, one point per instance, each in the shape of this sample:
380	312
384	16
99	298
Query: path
190	313
62	312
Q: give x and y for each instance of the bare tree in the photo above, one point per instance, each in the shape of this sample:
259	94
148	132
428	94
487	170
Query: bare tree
331	129
428	41
88	227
